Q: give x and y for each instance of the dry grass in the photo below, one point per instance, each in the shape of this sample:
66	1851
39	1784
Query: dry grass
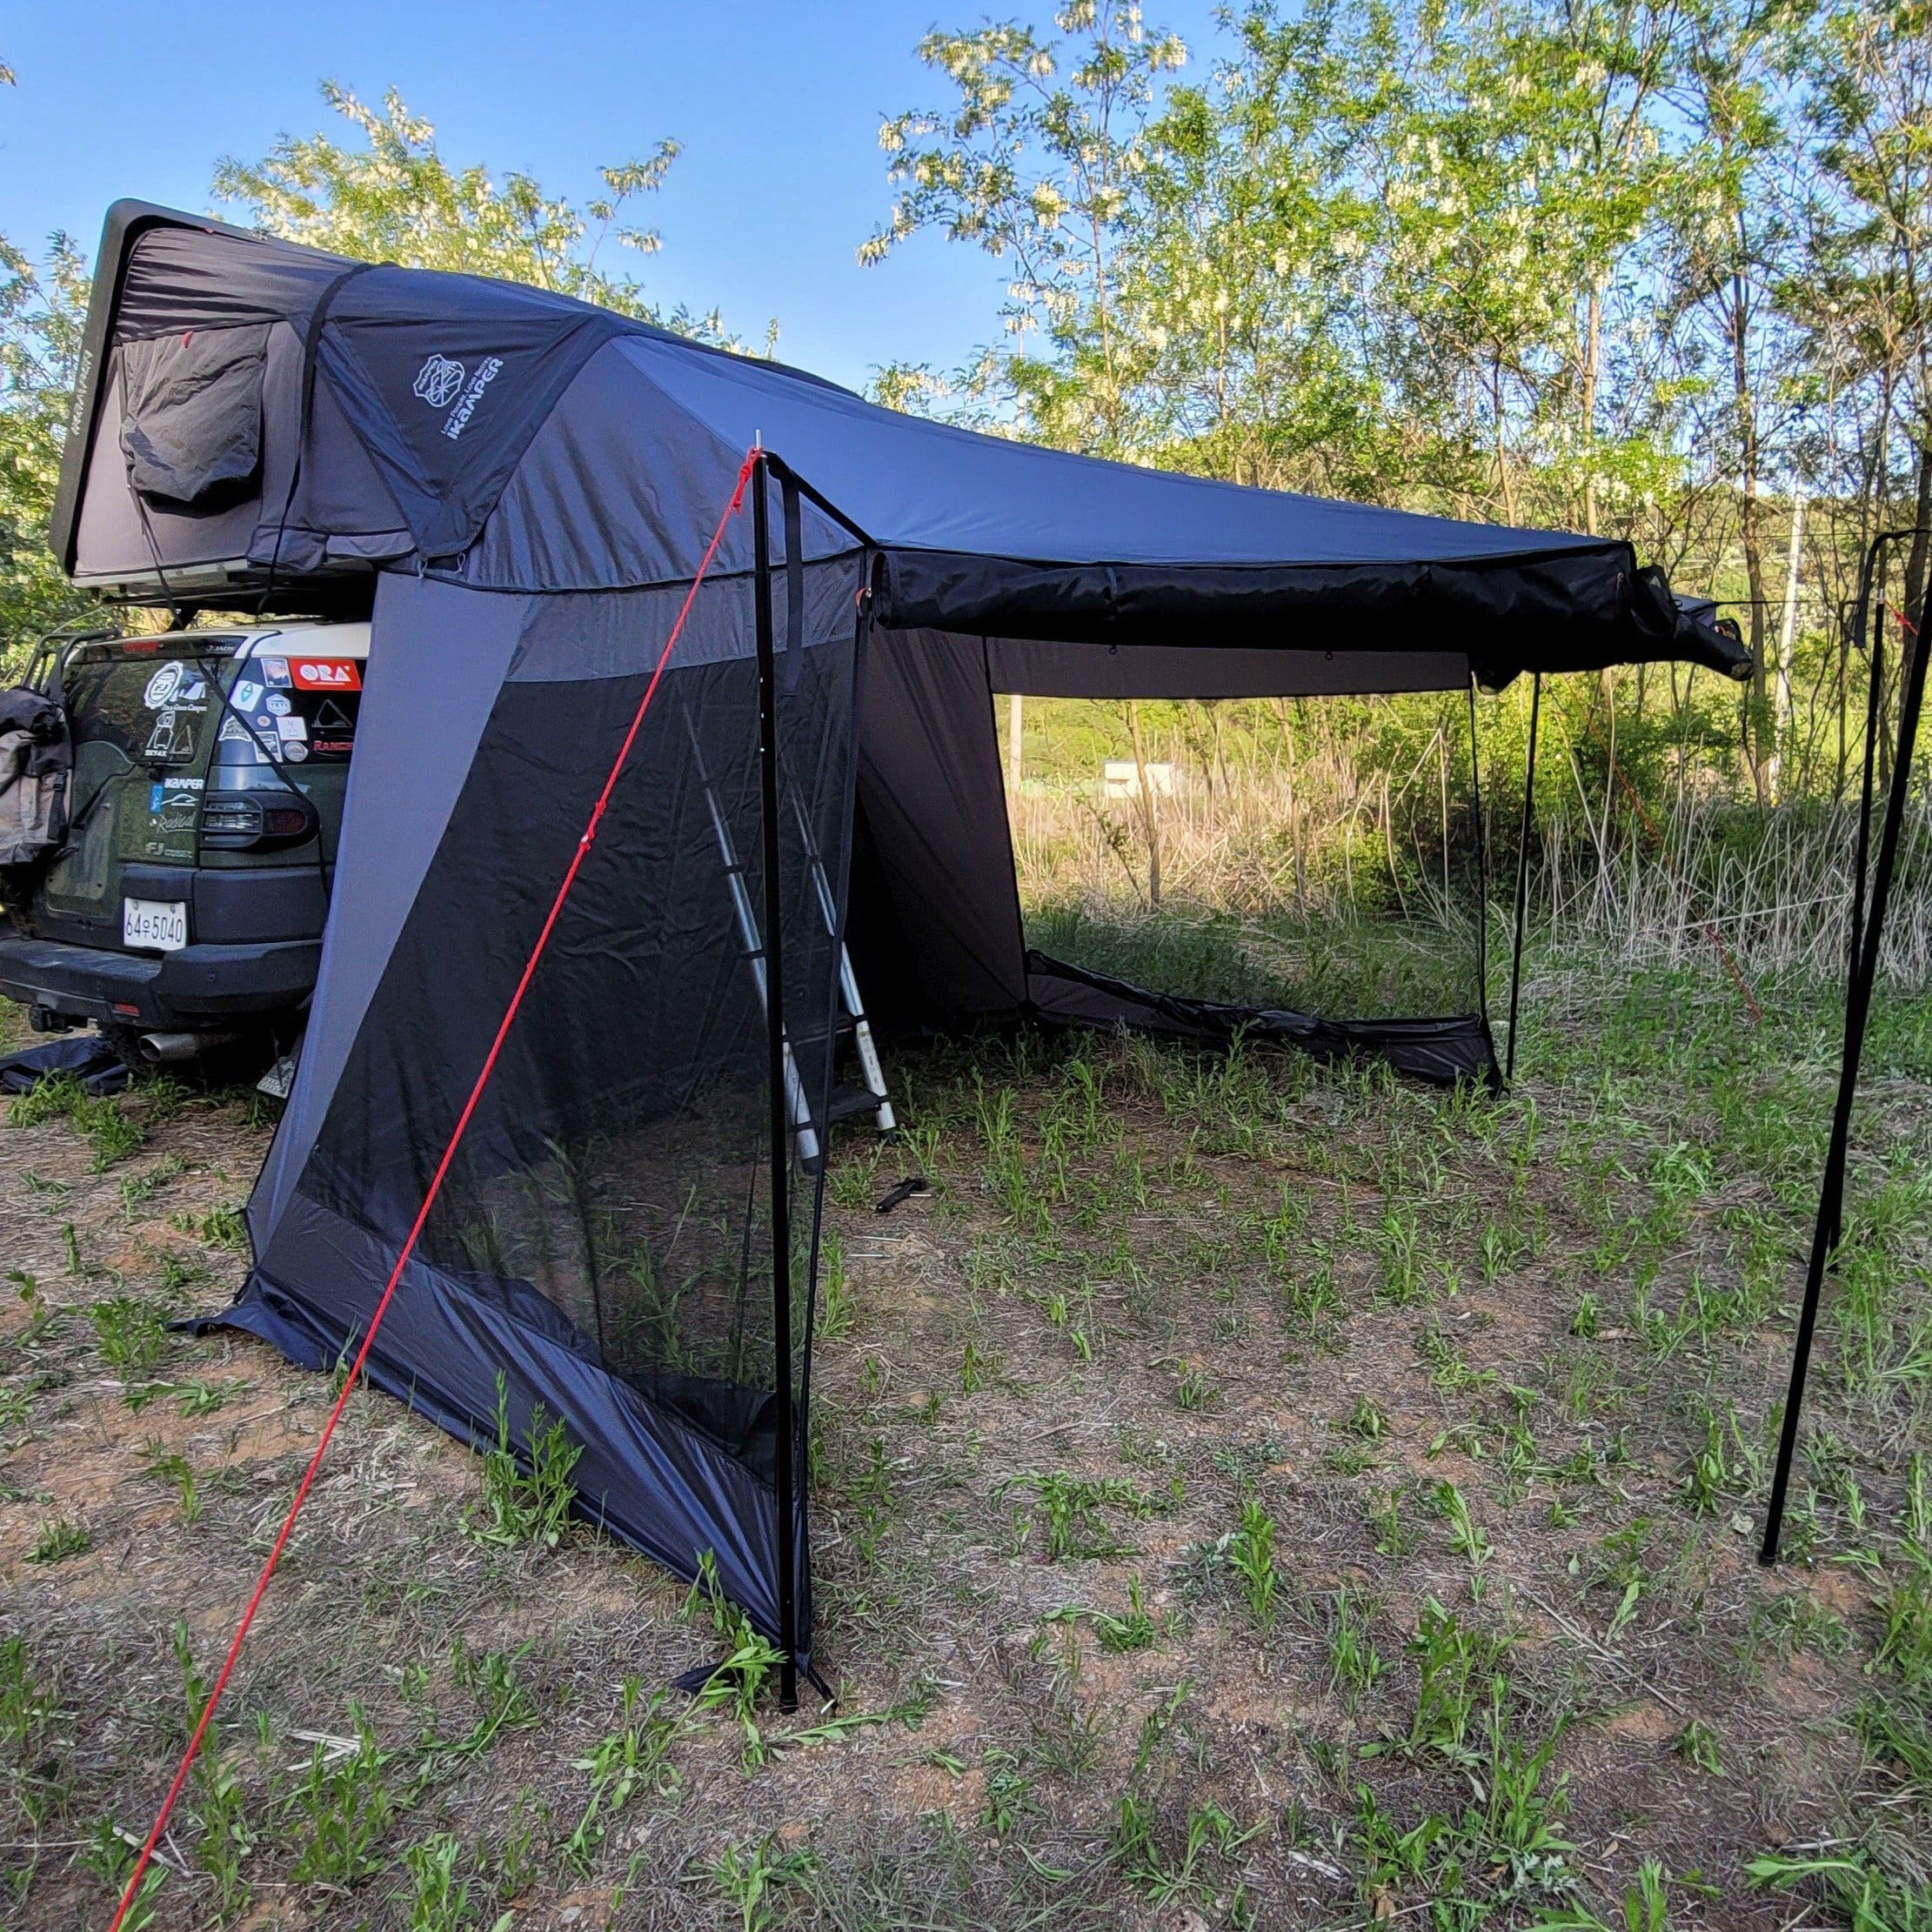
1281	829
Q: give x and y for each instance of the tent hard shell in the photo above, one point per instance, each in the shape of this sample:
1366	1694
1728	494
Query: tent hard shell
573	1046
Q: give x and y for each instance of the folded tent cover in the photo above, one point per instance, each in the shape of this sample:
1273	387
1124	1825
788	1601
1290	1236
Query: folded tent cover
624	1235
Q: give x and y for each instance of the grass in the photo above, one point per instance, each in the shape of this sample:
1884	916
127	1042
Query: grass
1244	1489
528	1491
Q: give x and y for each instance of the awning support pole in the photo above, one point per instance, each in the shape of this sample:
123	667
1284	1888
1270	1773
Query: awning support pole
1868	933
780	1150
1482	881
1522	868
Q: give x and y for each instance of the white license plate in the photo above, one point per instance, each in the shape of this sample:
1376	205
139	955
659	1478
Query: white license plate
161	925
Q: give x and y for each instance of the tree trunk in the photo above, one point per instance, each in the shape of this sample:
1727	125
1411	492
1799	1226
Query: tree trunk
1916	556
1788	632
1150	824
1592	348
1746	405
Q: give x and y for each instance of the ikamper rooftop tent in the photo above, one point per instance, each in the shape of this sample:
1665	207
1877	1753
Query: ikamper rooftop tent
628	762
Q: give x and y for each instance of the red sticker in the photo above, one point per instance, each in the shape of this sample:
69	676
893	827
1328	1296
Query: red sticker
325	673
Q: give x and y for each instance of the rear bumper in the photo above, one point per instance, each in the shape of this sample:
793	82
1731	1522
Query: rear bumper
196	989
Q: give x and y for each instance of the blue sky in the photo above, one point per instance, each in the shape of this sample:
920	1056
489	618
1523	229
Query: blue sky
778	107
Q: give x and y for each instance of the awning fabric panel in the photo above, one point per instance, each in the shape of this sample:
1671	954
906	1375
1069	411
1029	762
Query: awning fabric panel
443	383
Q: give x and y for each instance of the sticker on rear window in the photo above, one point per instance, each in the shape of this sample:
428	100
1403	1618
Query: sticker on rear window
326	673
278	703
248	695
276	669
173	735
163	686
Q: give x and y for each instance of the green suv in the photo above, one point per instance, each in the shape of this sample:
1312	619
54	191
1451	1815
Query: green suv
186	906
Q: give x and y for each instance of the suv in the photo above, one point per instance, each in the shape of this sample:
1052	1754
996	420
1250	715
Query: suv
186	906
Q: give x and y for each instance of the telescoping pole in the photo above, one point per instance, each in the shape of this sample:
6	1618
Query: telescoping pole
780	1126
1869	933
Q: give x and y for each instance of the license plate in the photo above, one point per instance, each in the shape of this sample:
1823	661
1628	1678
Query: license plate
160	925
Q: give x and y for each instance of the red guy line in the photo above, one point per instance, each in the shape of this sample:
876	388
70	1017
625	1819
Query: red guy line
435	1187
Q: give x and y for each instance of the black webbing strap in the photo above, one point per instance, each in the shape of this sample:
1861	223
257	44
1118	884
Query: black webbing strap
1523	836
311	339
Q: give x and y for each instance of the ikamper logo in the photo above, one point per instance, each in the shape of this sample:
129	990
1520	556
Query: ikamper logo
459	417
437	381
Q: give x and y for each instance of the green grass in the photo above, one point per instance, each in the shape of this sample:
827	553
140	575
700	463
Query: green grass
1247	1488
1338	968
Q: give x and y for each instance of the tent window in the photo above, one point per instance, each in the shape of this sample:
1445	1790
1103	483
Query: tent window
191	415
1255	852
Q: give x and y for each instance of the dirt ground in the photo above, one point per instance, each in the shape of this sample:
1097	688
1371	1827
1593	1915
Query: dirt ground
1245	1492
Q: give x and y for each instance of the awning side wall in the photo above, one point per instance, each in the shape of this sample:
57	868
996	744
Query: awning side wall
437	658
942	906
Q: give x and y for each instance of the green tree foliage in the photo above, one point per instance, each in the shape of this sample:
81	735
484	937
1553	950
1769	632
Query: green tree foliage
42	306
1509	257
1643	268
1864	287
1040	163
392	198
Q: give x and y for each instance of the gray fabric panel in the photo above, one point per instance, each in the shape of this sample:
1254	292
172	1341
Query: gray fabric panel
110	540
436	659
920	484
340	491
930	787
192	410
1209	670
192	278
622	487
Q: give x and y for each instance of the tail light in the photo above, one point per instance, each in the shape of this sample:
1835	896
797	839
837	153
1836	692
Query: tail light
256	821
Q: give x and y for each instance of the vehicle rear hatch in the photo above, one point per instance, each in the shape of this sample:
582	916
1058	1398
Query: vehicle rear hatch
144	714
189	752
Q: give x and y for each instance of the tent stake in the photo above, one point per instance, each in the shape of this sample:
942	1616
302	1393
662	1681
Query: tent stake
1868	933
780	1123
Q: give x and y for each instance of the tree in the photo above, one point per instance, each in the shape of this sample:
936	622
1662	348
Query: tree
1733	234
1039	163
1252	277
395	199
1867	69
42	306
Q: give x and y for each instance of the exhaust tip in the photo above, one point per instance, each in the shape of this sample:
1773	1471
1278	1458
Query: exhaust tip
164	1049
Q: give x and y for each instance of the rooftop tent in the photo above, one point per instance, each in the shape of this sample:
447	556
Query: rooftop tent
626	758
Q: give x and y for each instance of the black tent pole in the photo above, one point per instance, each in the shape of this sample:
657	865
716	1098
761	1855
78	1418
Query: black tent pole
1482	881
1522	868
780	1120
1858	1000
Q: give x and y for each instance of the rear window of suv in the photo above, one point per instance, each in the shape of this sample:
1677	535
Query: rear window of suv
153	712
